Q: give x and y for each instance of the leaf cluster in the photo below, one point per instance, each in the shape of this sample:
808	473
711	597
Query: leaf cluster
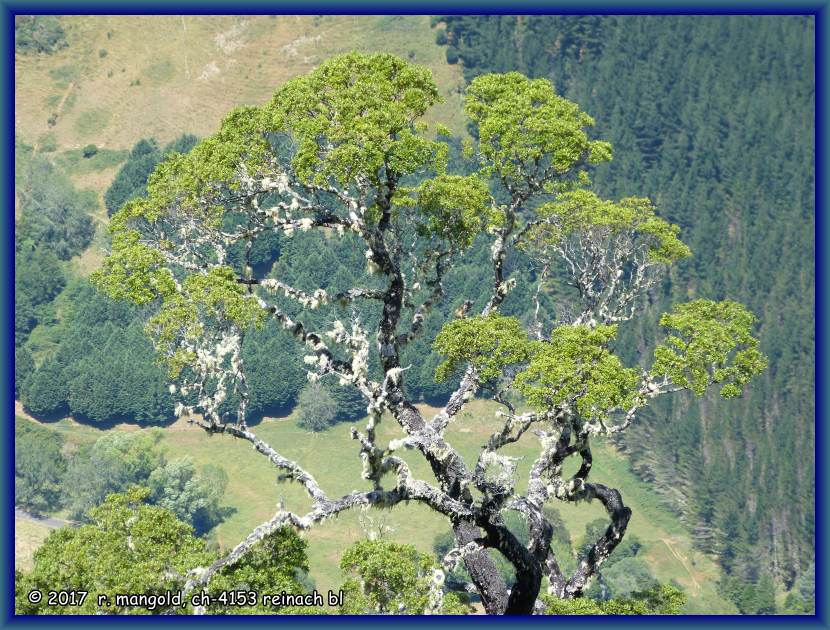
523	124
575	367
710	342
583	211
385	577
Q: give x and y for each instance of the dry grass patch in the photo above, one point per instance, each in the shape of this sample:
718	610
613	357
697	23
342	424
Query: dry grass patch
28	536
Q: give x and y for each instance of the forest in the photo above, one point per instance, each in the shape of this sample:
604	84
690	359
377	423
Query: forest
712	116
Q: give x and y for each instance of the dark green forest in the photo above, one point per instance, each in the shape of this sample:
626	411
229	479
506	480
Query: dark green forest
713	117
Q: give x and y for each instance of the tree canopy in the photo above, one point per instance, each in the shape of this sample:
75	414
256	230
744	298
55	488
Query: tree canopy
342	151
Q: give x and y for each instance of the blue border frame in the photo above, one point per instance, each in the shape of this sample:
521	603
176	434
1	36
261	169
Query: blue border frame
819	9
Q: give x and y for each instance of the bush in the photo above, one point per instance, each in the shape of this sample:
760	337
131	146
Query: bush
114	463
90	150
38	34
452	55
441	37
39	467
192	497
316	408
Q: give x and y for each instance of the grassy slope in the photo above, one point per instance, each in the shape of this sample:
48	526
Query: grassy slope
162	76
28	536
332	458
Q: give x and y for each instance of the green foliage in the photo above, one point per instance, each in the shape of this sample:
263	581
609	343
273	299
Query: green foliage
725	146
802	599
576	367
275	370
194	499
38	279
625	577
214	295
354	116
278	564
713	344
39	468
131	180
389	578
37	275
112	464
38	34
453	208
89	150
133	271
128	547
583	211
487	343
350	403
53	214
660	600
316	408
45	393
98	364
24	365
522	123
119	380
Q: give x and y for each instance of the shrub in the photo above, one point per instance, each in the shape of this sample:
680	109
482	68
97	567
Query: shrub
38	34
317	408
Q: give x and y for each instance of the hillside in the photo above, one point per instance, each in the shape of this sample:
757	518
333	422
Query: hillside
713	117
668	548
721	138
123	78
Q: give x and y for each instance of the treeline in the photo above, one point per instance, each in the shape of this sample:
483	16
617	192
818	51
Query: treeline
79	353
714	117
49	477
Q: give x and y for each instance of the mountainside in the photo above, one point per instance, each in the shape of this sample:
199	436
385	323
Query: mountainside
713	117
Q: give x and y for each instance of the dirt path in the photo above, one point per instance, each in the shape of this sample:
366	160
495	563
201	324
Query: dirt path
19	411
65	96
57	112
49	521
683	562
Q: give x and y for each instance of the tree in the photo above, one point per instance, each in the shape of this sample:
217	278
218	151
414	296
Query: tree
54	215
384	577
316	408
128	547
45	391
38	34
131	180
112	464
39	468
194	499
24	365
159	551
341	150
